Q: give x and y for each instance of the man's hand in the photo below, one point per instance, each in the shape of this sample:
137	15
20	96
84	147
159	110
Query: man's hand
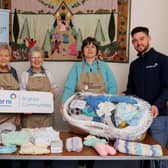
154	111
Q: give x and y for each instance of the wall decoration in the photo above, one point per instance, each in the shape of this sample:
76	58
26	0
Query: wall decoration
59	26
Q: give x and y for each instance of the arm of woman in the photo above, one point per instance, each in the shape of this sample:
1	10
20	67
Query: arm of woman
24	79
70	83
111	84
54	88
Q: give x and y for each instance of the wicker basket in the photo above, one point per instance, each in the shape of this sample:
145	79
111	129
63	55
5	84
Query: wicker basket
107	129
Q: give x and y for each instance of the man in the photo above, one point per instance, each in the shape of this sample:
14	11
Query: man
148	79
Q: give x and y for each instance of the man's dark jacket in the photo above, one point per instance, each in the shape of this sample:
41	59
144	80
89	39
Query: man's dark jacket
148	79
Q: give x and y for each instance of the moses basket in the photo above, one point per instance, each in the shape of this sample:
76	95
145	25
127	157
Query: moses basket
107	128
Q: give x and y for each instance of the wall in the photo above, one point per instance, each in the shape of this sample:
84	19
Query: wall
150	13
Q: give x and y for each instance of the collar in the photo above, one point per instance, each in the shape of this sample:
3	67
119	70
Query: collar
9	69
94	62
148	52
30	71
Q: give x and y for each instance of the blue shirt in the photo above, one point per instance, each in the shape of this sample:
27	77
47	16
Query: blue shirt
74	76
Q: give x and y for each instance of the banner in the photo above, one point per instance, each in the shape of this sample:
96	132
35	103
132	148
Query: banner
25	102
4	26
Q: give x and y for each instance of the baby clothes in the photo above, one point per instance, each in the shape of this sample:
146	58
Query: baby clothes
56	146
30	148
131	114
136	148
100	145
6	127
74	144
8	149
43	135
14	138
104	108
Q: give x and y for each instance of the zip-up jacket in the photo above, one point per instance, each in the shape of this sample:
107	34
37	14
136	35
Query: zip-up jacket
148	79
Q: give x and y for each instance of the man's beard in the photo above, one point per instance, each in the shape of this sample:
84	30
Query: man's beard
144	50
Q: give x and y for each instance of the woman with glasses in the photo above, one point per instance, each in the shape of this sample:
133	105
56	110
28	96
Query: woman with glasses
37	78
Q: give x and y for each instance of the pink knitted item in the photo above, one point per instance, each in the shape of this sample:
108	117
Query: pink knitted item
101	149
110	150
104	149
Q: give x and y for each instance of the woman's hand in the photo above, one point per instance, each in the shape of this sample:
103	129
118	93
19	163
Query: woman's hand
61	108
61	111
53	91
18	121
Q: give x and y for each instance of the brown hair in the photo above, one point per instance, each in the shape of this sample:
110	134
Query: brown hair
140	29
90	40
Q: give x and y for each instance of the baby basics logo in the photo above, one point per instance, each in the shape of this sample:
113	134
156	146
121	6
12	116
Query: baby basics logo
8	99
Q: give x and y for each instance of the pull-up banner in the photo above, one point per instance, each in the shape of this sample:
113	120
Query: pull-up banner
4	26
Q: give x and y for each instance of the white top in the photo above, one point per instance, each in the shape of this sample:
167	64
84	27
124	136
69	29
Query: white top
25	77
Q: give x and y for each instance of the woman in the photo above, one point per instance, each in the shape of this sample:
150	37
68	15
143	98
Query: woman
37	78
90	75
8	81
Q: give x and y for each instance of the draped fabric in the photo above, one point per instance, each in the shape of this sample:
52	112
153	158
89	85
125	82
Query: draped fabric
38	26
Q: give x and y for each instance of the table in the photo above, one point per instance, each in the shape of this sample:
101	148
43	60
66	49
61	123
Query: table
87	153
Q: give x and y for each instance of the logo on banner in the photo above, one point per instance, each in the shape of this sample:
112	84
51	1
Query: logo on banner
8	101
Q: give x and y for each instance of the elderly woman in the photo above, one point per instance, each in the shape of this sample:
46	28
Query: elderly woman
89	75
37	78
8	81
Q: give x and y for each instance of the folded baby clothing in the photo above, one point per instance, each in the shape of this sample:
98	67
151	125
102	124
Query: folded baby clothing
57	146
74	144
94	101
14	138
6	127
44	135
104	108
136	148
33	149
8	149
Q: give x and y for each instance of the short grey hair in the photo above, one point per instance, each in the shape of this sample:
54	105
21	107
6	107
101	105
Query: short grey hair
5	46
36	49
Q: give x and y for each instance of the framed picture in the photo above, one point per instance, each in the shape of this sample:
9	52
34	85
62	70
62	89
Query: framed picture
59	27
